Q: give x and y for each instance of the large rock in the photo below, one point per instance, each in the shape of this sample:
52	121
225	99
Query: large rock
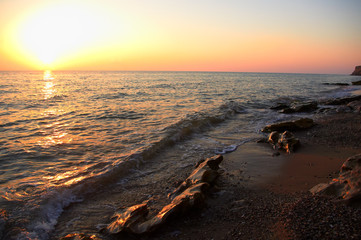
286	141
300	107
347	186
188	195
206	171
357	71
296	107
300	124
356	83
336	84
342	101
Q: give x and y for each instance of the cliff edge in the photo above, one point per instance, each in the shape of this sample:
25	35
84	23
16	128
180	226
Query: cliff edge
357	71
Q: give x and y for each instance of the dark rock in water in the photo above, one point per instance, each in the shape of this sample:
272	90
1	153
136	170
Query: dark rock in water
299	124
295	107
337	84
80	236
357	82
188	195
300	107
343	101
357	71
347	185
286	141
280	106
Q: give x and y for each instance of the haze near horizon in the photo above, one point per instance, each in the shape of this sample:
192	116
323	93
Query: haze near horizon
241	36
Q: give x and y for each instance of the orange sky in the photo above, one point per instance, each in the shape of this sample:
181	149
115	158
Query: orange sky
159	35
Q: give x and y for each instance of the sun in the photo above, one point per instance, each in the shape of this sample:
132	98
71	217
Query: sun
58	31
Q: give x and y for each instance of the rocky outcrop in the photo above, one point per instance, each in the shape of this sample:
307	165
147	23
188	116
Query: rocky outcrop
342	101
336	84
300	124
357	71
347	186
191	193
296	107
286	141
356	83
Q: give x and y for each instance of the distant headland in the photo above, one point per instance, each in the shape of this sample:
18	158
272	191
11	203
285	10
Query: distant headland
357	71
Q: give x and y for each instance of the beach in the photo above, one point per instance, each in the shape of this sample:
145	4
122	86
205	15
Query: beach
271	202
80	147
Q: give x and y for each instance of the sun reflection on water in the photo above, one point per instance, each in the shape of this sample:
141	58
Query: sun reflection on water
48	75
54	131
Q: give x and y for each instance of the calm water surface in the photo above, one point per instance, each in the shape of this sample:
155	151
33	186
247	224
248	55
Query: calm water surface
62	131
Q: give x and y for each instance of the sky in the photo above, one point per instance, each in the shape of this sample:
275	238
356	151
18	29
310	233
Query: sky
298	36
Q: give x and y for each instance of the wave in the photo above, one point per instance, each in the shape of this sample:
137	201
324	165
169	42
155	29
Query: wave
109	171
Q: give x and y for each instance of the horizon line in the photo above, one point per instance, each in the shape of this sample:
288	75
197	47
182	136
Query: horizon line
199	71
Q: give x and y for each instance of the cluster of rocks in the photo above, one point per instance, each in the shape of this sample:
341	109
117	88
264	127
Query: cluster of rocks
295	107
286	141
191	193
280	136
347	186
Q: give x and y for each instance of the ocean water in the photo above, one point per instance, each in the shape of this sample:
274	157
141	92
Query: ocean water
64	135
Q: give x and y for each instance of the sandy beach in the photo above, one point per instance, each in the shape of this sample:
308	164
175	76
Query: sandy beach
272	202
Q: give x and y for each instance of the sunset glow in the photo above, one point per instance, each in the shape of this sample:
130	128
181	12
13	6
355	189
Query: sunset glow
159	35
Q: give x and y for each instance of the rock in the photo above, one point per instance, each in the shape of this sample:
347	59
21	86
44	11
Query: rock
357	71
273	138
188	195
286	141
304	107
347	186
205	172
337	84
296	107
190	198
128	218
79	236
300	124
356	82
343	101
280	106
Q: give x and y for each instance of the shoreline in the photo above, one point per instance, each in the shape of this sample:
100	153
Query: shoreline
253	202
263	204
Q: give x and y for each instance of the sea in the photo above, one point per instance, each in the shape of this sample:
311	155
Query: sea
64	136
